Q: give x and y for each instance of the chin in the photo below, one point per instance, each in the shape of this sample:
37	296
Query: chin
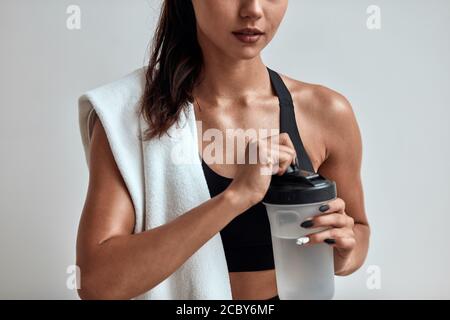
246	53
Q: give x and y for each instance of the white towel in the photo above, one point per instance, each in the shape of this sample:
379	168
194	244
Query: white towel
161	189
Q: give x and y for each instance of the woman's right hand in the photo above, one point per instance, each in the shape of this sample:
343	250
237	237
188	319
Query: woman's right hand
270	155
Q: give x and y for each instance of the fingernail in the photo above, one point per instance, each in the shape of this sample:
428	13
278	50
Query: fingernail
329	241
307	224
303	240
324	208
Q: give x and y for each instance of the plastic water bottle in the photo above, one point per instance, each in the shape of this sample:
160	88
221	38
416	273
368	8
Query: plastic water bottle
302	272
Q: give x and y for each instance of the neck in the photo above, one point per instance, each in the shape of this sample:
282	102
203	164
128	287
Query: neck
238	81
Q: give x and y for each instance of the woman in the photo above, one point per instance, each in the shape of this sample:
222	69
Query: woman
208	54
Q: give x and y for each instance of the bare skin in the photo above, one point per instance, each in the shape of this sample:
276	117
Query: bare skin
117	264
105	236
235	93
332	141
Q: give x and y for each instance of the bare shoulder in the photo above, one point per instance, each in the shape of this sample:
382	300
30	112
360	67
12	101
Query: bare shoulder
319	100
328	113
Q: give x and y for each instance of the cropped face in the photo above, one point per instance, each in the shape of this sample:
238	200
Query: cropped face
239	29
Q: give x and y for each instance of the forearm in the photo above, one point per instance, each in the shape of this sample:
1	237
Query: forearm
124	267
348	265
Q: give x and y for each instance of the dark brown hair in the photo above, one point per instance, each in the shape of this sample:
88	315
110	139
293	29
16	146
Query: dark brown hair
175	64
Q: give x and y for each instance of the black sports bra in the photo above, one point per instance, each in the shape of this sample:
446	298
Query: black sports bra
247	239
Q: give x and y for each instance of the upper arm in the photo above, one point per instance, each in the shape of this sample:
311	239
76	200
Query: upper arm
344	154
108	210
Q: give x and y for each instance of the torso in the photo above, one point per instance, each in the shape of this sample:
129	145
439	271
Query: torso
264	114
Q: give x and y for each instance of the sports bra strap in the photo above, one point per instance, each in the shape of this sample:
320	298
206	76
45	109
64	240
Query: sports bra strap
287	119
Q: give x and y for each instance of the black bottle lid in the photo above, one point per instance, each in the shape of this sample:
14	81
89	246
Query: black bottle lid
298	186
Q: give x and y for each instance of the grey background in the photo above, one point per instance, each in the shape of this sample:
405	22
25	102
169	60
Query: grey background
396	78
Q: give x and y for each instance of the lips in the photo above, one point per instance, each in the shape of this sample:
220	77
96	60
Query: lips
248	35
249	32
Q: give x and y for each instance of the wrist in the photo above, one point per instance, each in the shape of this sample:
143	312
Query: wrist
236	200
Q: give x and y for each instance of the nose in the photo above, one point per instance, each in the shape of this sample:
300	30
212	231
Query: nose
251	9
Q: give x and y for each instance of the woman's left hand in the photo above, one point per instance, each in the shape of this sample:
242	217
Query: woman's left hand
339	234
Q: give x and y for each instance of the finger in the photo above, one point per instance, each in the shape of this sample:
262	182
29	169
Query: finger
286	160
336	220
284	148
335	205
288	154
286	140
280	139
275	150
336	237
347	243
278	161
282	162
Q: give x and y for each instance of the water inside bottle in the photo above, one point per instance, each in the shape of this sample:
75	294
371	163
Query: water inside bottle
303	272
